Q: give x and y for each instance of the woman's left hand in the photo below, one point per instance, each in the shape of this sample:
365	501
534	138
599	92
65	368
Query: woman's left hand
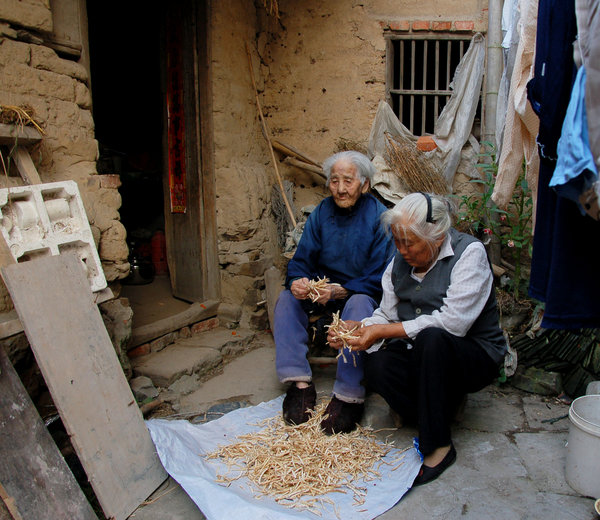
348	325
365	337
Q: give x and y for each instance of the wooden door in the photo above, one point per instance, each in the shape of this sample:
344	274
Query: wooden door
190	215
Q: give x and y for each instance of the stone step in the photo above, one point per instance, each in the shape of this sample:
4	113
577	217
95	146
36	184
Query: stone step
196	356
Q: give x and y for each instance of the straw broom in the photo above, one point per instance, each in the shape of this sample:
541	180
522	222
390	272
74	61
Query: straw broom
412	167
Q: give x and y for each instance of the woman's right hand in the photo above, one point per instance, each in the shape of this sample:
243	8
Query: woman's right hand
365	337
300	288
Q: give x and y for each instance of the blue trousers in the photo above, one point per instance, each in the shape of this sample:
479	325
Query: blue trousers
291	342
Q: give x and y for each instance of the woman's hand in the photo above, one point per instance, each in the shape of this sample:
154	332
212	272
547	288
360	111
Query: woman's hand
333	338
331	292
299	288
365	337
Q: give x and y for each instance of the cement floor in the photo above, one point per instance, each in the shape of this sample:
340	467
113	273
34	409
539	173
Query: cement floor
510	465
152	302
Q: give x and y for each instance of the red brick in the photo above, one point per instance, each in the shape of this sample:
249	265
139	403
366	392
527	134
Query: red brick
142	350
402	25
464	25
421	25
185	332
110	181
203	326
441	26
425	143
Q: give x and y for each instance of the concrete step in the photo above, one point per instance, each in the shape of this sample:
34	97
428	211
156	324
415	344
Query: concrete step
197	356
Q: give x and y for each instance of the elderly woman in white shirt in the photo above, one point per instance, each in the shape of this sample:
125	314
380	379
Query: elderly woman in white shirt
435	336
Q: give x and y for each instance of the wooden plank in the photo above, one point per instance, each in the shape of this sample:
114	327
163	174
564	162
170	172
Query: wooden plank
9	324
54	302
26	167
17	134
37	481
9	321
204	95
273	287
194	313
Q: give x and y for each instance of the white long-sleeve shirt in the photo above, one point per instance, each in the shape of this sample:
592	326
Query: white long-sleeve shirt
470	285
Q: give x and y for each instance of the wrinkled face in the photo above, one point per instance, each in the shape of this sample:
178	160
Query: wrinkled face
416	252
344	184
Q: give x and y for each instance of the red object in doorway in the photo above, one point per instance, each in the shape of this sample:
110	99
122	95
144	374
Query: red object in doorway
159	253
176	123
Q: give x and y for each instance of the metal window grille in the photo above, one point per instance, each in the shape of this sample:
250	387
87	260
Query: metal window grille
419	72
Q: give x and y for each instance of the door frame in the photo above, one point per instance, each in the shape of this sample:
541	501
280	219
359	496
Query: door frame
191	236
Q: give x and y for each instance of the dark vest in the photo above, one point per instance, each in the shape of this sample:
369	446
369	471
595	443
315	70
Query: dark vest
424	297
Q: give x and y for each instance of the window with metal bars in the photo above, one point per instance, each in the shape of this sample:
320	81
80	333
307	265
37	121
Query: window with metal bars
419	72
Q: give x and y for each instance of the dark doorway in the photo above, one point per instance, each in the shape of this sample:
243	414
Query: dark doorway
128	110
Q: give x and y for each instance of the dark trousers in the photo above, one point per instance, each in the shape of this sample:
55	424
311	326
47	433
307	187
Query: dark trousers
425	384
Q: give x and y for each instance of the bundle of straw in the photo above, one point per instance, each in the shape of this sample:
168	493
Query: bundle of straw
316	286
338	327
297	465
18	115
412	167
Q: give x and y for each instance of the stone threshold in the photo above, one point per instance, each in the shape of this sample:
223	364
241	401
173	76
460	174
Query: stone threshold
195	313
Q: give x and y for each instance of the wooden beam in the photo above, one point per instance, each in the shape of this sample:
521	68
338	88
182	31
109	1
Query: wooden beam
293	152
305	166
18	134
26	167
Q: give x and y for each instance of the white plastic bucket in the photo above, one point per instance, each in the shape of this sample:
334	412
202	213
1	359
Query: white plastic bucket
583	446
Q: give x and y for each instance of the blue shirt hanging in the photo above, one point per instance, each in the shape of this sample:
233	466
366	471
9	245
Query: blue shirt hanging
575	170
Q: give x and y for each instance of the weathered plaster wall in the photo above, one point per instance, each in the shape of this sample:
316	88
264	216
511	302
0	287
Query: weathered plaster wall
244	173
57	90
324	68
320	70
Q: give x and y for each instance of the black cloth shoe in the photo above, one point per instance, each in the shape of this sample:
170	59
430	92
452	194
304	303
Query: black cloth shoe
341	417
427	474
298	403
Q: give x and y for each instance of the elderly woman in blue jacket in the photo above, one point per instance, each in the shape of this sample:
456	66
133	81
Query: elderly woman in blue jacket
436	336
343	241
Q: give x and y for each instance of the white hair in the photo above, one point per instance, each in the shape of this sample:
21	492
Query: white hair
411	215
364	168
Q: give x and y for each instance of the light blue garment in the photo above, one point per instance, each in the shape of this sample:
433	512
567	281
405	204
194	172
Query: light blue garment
575	170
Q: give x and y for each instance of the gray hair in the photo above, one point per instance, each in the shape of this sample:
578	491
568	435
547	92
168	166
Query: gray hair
412	210
364	167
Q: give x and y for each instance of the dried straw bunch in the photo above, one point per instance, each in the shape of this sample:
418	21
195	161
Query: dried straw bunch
272	8
20	116
298	465
338	327
316	286
413	168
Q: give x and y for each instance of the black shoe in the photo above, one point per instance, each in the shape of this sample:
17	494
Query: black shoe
298	403
341	417
427	474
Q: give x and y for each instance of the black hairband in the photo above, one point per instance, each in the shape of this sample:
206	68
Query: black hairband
429	207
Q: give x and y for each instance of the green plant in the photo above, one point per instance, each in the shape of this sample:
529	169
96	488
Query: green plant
479	215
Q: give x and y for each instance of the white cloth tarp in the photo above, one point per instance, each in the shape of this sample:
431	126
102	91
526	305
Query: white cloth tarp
182	446
387	183
455	123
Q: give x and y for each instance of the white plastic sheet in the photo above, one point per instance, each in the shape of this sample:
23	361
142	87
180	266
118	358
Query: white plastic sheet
454	125
182	446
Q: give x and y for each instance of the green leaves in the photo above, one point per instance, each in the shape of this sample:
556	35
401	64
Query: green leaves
480	216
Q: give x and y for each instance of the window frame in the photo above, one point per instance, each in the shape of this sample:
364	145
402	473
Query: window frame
390	91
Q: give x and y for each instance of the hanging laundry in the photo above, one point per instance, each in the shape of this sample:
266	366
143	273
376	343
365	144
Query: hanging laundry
564	272
575	171
521	122
588	26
